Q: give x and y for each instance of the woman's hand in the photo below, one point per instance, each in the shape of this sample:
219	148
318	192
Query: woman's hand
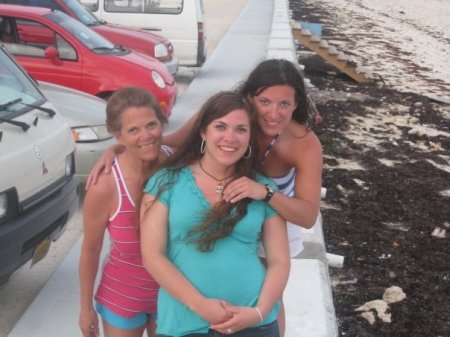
242	318
213	311
244	188
103	163
89	323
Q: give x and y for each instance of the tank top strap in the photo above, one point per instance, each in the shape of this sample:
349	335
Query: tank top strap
269	147
119	178
167	150
126	203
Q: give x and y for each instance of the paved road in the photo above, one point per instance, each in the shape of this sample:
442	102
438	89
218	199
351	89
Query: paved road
24	285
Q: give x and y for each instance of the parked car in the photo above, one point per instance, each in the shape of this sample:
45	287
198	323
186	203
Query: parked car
86	116
56	48
38	190
181	21
135	39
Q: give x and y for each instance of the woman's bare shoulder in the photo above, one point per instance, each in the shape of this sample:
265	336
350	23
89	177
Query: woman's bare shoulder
103	189
300	144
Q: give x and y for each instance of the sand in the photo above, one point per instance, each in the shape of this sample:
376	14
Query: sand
405	42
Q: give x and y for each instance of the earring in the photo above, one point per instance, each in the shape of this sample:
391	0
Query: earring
202	146
249	150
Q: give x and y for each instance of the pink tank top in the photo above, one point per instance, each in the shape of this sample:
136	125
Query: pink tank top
126	288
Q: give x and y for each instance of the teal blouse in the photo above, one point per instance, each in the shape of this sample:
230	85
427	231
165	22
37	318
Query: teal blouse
232	271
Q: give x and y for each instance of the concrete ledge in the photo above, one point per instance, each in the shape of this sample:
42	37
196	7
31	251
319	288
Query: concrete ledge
308	296
308	301
286	54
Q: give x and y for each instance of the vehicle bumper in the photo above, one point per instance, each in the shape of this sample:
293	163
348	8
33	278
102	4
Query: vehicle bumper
172	66
20	235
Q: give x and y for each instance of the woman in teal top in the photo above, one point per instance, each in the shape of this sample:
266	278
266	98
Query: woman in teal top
203	250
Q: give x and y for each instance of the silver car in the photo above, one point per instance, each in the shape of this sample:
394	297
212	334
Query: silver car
86	116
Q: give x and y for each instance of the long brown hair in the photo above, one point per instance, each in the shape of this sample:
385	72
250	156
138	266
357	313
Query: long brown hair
220	220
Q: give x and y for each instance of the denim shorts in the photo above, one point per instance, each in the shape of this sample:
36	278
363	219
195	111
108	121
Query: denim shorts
125	323
268	330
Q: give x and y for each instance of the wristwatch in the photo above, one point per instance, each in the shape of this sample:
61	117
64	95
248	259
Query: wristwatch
270	192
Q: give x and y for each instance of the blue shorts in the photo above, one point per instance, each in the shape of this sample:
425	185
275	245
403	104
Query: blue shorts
123	322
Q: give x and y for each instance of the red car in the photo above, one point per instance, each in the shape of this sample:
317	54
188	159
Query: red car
56	48
136	39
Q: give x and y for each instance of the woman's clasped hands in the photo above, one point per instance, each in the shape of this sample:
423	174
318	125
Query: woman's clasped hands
242	318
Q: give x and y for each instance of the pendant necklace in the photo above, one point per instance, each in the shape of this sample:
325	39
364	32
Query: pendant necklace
220	182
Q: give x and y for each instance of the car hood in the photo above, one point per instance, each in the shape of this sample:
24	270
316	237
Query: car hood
130	32
76	107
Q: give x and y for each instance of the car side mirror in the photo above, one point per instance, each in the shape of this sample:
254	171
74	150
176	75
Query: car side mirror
52	54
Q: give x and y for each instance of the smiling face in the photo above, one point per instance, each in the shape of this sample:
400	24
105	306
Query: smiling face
141	132
274	107
227	138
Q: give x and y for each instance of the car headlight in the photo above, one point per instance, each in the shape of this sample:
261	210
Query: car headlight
157	78
161	50
84	134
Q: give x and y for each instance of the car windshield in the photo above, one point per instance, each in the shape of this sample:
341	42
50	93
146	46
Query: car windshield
82	13
82	33
16	89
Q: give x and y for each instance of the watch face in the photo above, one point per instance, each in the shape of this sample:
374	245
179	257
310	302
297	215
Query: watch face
270	192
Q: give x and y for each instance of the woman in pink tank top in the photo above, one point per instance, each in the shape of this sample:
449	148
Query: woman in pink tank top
126	295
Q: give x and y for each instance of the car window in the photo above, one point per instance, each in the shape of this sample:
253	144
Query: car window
82	13
144	6
15	86
34	38
82	33
65	49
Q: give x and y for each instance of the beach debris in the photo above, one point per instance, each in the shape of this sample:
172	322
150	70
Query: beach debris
381	307
336	281
393	294
334	260
439	232
359	182
343	190
369	316
398	226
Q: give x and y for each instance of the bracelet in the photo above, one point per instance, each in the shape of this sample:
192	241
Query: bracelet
259	314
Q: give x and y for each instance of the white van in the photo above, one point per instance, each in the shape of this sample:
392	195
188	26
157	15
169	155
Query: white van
38	190
181	21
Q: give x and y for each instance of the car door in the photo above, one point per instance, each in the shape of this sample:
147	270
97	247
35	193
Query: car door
33	47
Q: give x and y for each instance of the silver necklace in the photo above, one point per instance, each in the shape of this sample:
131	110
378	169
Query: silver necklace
220	184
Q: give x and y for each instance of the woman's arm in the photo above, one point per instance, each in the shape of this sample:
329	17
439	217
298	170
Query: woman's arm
276	246
95	219
154	229
103	164
301	209
176	138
